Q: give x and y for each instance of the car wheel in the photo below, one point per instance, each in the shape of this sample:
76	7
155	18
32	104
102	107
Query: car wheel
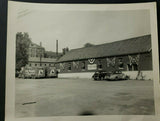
127	78
116	78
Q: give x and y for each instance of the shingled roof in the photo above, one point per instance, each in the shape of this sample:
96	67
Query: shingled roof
123	47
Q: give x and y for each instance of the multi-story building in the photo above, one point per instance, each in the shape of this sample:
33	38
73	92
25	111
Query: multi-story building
36	50
38	58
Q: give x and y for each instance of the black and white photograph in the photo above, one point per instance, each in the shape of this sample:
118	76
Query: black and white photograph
86	62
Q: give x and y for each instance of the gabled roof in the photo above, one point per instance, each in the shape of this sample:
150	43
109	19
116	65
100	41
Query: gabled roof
123	47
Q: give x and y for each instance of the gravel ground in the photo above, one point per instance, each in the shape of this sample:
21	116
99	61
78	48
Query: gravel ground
71	97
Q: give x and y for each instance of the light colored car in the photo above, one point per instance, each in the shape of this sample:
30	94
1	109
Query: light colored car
117	75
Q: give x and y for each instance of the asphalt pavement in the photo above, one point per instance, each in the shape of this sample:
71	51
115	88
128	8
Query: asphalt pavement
72	97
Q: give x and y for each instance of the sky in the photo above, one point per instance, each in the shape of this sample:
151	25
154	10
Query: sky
73	29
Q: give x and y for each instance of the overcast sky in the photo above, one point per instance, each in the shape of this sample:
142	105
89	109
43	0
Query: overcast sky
75	28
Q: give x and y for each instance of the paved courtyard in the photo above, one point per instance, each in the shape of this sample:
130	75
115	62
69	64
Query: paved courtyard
71	97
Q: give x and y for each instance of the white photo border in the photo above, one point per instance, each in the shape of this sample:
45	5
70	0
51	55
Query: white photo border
10	63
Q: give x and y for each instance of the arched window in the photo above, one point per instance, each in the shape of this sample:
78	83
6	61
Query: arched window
69	66
83	65
99	64
132	67
120	63
135	67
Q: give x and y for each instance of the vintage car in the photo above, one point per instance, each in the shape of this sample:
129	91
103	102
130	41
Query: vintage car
116	75
100	75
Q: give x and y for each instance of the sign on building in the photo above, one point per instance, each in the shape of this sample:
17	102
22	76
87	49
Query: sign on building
92	66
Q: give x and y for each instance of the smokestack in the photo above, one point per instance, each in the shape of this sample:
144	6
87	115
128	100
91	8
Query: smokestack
41	44
57	48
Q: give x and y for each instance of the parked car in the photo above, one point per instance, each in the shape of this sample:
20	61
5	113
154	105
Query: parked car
100	75
116	75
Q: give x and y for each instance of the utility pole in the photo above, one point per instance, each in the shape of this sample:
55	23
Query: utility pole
57	48
40	53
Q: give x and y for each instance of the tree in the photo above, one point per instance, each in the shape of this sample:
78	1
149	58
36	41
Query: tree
88	45
22	44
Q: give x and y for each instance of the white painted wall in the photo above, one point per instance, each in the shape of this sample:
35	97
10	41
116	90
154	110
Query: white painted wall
76	75
147	75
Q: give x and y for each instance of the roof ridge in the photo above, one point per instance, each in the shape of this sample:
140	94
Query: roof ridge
112	42
134	45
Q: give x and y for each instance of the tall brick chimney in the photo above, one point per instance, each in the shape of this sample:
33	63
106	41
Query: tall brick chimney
41	44
57	48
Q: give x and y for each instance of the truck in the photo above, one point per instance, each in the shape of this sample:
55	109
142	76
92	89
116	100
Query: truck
38	72
32	72
52	72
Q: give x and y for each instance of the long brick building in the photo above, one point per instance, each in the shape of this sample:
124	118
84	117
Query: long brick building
132	56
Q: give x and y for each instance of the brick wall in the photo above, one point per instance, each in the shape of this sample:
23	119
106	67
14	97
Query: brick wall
107	64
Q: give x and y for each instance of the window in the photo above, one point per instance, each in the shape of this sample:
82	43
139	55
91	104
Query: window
30	64
45	64
133	67
40	64
83	65
99	64
129	67
35	64
121	65
69	66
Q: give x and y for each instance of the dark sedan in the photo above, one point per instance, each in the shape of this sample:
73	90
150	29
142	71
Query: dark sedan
100	75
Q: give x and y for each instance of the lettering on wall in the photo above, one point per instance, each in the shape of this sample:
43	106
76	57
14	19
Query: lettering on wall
134	59
133	63
62	66
76	64
111	61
